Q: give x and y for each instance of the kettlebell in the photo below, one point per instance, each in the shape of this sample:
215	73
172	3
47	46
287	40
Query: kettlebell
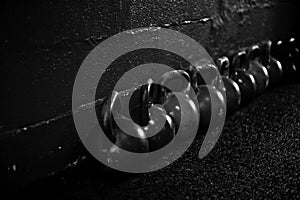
254	67
273	66
232	90
242	77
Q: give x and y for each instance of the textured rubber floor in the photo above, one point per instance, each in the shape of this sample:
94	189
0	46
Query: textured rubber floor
257	157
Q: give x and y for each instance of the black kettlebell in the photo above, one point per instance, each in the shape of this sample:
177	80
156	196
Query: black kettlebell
242	77
273	66
232	90
254	67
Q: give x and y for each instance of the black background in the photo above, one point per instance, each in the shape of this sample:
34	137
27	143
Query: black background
42	45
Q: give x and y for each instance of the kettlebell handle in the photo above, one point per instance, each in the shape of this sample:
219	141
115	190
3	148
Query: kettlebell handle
266	52
239	61
223	65
253	52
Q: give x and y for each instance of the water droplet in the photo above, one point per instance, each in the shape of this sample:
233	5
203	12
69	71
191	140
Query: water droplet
14	167
114	149
110	160
151	122
221	112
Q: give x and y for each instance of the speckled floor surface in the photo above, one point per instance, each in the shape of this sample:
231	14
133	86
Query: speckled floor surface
257	157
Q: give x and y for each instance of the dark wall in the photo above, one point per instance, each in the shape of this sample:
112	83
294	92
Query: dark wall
44	42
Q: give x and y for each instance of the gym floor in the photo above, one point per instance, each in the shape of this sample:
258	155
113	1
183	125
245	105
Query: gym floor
256	157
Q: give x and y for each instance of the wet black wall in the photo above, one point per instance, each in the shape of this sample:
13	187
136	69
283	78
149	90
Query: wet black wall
43	43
